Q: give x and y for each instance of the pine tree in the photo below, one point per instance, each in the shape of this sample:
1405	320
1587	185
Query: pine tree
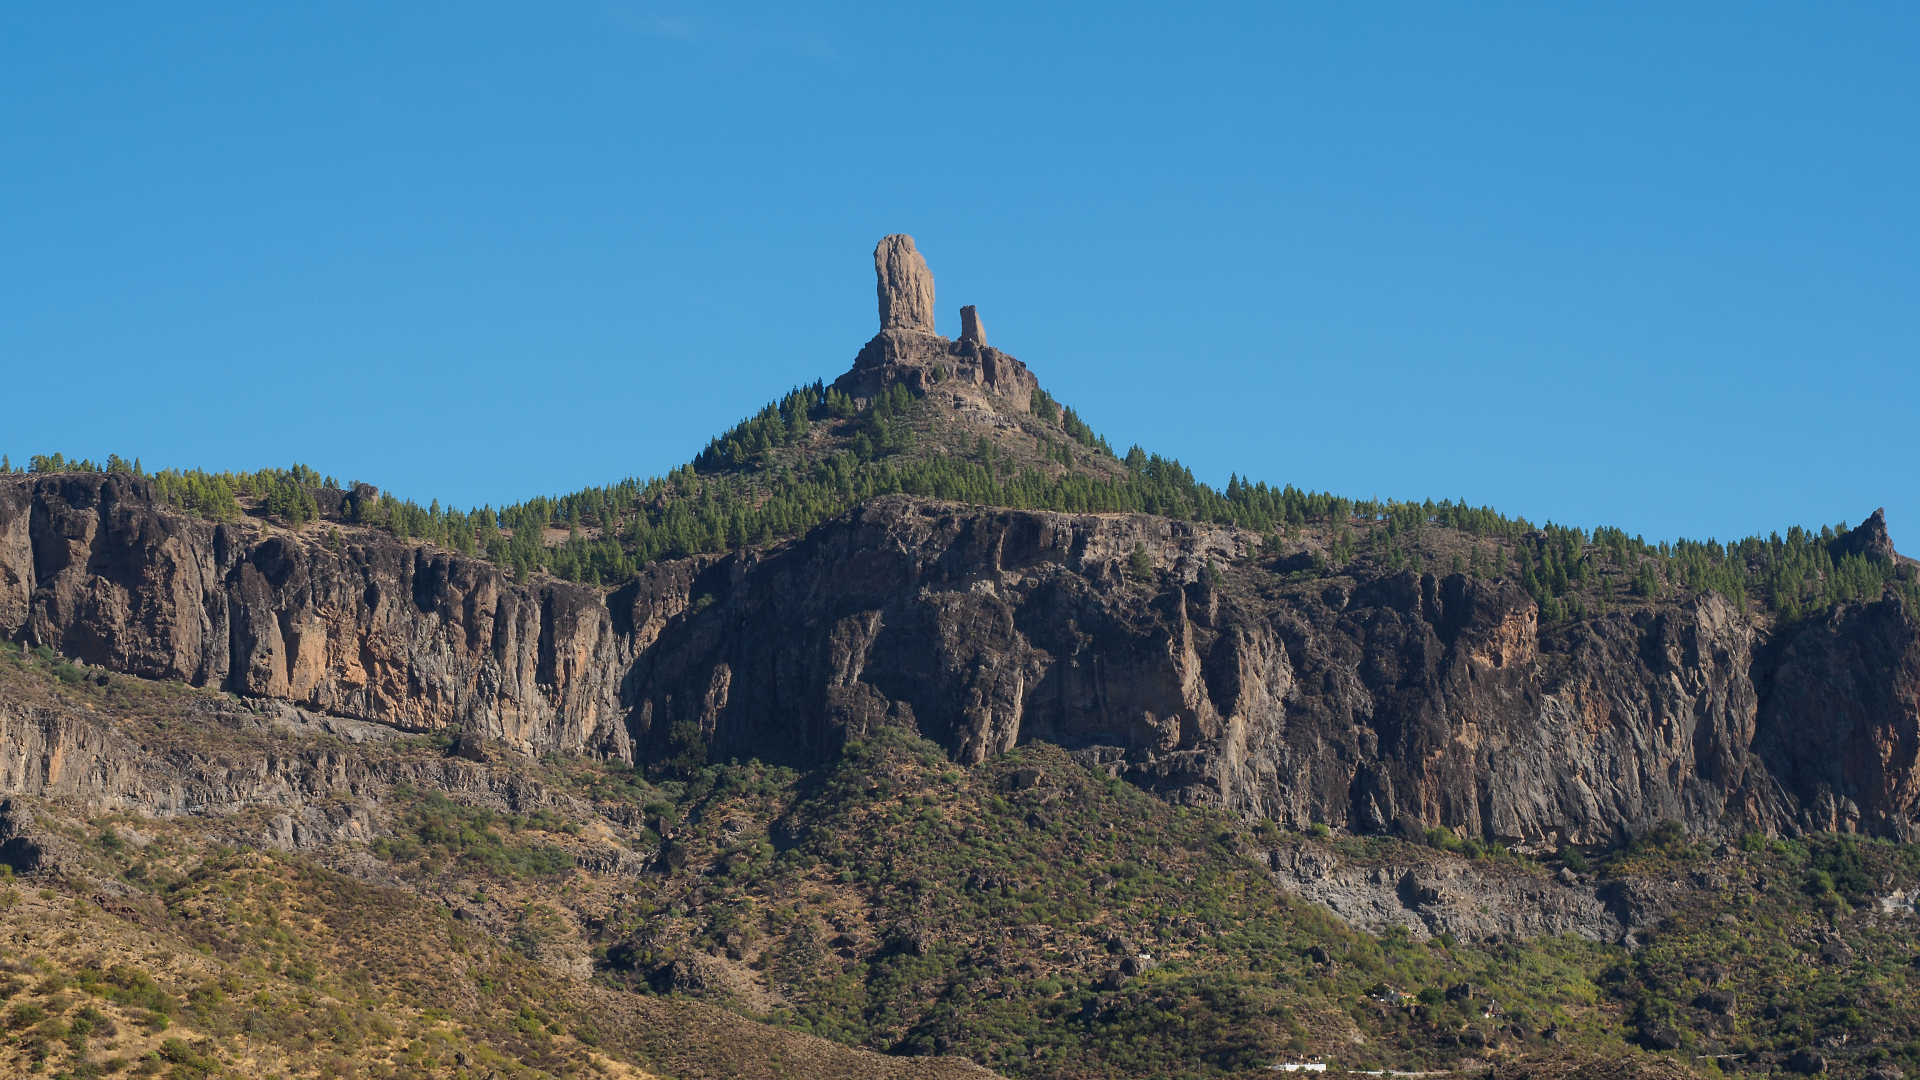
1140	564
1647	582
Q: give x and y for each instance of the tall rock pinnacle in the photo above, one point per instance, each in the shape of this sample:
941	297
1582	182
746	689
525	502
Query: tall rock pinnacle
906	285
969	372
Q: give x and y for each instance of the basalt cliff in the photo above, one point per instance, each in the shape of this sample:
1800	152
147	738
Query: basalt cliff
1186	658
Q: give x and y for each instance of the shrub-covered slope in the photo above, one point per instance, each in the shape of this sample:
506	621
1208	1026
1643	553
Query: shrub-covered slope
394	904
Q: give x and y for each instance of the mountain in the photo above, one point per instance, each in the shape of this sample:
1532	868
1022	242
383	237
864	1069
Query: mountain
1035	754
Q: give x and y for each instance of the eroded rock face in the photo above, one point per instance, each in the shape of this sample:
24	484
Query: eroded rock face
1868	539
971	331
379	630
1394	703
905	285
1430	894
1414	702
1839	723
966	374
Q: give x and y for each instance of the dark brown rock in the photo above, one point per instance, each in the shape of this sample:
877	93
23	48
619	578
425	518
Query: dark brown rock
1716	1001
471	746
971	330
1661	1037
1806	1062
1839	718
1869	539
1021	780
380	630
1418	701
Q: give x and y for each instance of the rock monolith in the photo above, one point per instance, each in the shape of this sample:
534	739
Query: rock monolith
906	285
970	328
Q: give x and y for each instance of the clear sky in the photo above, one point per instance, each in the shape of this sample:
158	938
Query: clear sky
1651	265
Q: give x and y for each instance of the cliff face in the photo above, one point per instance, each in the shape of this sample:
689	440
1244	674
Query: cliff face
1399	701
92	567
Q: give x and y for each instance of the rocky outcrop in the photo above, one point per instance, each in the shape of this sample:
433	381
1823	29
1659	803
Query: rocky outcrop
978	628
905	286
1839	719
967	375
377	630
1433	894
273	775
1429	893
1393	703
971	331
1869	540
1412	701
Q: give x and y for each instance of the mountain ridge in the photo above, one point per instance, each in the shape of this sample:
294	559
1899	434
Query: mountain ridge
1404	614
910	716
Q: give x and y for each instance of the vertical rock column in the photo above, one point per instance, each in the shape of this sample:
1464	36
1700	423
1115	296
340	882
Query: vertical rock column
970	328
906	285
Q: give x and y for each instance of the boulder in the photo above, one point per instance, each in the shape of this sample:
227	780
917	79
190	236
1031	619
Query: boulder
1020	780
1716	1001
1806	1062
470	745
1660	1037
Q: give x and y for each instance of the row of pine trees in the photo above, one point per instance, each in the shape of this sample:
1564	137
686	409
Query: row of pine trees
737	492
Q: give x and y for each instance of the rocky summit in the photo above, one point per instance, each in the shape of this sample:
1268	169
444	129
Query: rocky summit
943	615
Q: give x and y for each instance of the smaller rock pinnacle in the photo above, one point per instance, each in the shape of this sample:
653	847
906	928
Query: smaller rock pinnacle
970	328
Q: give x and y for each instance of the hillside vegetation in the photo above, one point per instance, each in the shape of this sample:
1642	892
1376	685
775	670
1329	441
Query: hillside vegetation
1029	914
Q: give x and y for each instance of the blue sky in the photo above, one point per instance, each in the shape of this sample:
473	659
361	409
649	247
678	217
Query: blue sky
1648	265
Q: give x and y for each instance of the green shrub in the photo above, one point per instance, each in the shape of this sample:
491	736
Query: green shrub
444	831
